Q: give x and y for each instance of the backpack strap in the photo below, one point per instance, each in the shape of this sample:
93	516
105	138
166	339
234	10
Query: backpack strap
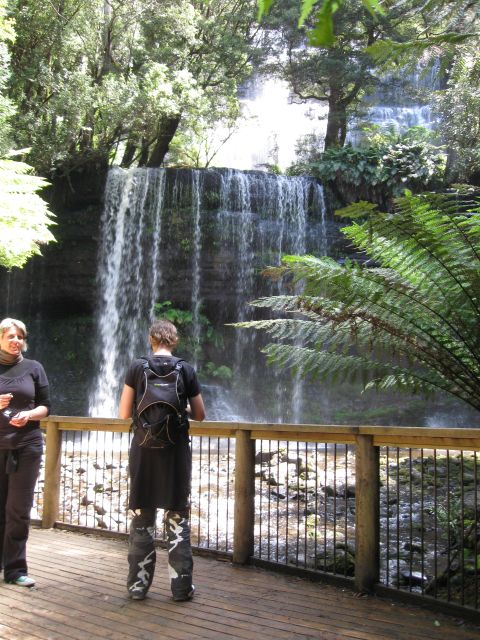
176	367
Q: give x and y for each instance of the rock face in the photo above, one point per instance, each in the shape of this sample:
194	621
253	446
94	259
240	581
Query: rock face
62	281
54	294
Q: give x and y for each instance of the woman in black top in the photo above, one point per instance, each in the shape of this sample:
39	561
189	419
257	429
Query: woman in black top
160	477
24	400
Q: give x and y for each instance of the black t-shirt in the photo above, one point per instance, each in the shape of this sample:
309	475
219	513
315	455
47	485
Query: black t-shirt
28	383
160	478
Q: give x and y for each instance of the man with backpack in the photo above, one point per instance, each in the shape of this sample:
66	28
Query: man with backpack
159	394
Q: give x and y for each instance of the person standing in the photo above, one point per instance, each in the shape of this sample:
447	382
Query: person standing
24	400
160	478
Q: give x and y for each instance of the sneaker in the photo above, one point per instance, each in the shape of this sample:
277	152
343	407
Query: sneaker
185	596
23	581
136	593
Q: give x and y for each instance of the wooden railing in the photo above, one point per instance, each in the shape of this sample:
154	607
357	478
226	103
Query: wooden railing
365	441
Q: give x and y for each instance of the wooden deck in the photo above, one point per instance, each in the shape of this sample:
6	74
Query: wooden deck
80	594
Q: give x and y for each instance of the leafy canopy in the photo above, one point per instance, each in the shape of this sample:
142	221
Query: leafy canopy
458	106
116	79
322	34
406	318
440	23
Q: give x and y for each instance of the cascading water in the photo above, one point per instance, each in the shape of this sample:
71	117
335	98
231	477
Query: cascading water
396	119
132	201
391	109
199	240
272	123
274	120
197	248
236	214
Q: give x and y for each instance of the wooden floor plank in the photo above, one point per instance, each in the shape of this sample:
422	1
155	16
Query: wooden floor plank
81	594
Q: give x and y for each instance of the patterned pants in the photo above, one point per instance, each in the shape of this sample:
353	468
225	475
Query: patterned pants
142	554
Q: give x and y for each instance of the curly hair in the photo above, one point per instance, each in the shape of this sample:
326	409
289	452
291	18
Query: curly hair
163	332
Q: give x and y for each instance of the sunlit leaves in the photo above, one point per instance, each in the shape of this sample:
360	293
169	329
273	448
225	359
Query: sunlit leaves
92	77
322	34
360	209
391	163
7	35
459	108
24	215
388	51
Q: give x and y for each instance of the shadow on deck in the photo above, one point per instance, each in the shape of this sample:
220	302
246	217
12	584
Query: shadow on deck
80	594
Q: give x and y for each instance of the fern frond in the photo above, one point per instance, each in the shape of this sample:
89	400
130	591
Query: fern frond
410	320
434	252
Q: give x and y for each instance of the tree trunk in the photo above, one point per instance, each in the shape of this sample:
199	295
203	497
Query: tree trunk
144	153
129	154
168	128
336	122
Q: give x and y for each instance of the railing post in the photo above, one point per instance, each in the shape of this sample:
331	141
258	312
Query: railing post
367	533
244	511
51	490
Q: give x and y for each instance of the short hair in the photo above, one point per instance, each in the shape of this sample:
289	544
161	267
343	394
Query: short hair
164	332
6	323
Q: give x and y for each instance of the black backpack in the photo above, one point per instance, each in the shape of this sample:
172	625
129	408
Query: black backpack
160	413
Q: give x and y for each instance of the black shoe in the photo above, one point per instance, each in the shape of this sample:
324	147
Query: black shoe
137	593
184	596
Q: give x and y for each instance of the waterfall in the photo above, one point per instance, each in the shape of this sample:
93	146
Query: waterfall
131	218
199	239
197	248
235	199
400	118
272	123
321	205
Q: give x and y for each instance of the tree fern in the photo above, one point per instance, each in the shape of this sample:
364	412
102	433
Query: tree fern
405	317
24	216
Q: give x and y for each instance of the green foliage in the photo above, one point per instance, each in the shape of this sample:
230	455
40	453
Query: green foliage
451	23
406	319
178	317
24	216
392	162
197	140
440	15
221	372
184	321
338	75
459	108
322	34
118	78
7	35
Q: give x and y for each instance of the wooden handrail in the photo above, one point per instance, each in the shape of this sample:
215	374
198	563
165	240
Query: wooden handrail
421	437
366	440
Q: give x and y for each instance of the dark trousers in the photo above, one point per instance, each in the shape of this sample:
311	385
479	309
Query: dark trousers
18	475
142	555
